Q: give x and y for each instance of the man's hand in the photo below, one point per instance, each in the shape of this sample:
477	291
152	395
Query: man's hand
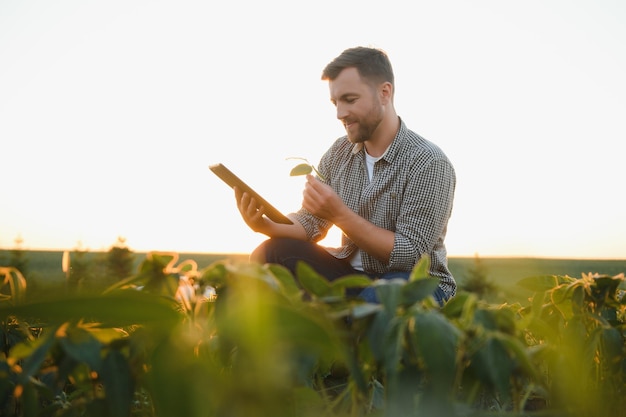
251	212
253	215
322	201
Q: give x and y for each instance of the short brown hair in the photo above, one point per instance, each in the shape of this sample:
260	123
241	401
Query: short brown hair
371	63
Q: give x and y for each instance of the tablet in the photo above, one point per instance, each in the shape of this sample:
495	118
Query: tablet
234	181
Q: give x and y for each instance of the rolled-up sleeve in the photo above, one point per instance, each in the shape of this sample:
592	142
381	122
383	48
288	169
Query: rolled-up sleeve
315	228
424	213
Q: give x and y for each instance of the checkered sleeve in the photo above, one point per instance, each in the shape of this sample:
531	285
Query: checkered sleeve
424	215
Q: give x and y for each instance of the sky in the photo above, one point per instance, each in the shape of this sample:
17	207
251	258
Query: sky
112	111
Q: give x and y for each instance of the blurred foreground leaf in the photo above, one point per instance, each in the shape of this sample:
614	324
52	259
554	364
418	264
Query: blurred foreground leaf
123	308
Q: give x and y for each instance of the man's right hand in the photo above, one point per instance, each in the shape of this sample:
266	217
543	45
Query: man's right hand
251	212
253	215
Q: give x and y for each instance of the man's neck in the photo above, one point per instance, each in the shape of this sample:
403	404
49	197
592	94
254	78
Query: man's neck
384	135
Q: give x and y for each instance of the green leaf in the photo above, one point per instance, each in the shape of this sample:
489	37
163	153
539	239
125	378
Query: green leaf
394	346
562	298
541	328
542	283
165	285
215	274
437	340
612	345
539	283
286	279
378	395
485	319
422	269
81	346
311	281
156	275
30	400
417	290
117	309
605	289
401	395
339	285
301	169
461	306
505	319
106	335
306	398
26	348
521	355
360	311
305	330
493	366
384	335
389	292
118	382
34	361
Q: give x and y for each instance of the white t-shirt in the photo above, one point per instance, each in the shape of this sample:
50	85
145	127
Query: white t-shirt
355	260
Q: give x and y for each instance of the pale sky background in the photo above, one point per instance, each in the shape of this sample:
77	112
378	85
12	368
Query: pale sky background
111	112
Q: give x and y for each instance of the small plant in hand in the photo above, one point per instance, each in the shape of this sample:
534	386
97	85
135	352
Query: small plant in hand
305	168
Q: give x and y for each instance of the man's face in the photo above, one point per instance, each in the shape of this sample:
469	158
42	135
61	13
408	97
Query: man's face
358	105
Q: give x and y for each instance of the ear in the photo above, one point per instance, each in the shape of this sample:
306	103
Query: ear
386	92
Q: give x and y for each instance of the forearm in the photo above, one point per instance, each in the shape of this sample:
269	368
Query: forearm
322	201
272	229
374	240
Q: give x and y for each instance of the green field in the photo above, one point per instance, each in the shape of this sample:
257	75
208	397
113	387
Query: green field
265	341
44	267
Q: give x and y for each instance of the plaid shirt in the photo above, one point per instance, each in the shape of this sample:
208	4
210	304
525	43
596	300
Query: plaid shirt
411	194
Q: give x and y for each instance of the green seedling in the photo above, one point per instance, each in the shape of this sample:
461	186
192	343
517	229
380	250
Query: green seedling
304	168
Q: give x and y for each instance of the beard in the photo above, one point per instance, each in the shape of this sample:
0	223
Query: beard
367	124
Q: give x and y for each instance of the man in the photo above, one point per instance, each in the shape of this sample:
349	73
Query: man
389	190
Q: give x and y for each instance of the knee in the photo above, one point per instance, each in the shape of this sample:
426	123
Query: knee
259	254
276	251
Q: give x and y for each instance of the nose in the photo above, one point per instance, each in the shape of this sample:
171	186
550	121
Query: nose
341	112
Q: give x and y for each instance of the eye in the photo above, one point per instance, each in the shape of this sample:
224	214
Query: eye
350	98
